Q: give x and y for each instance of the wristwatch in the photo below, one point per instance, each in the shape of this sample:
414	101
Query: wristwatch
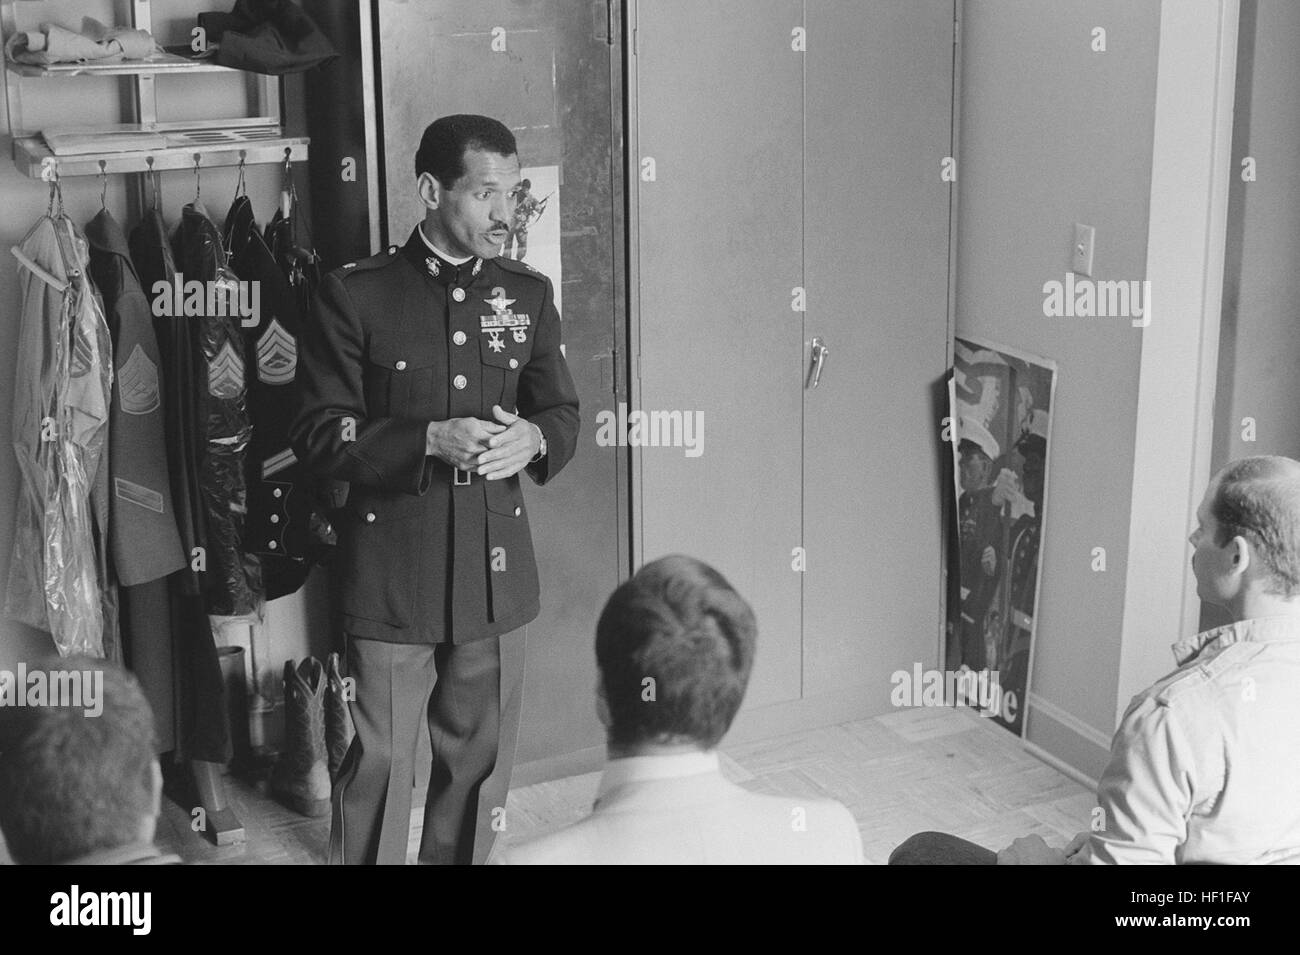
541	451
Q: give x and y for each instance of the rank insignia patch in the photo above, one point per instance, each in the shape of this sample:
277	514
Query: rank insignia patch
277	355
226	373
137	383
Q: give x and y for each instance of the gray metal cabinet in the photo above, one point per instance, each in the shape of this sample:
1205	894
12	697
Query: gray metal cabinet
795	206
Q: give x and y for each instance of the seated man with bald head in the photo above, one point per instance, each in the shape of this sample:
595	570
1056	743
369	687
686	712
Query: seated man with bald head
1205	767
674	647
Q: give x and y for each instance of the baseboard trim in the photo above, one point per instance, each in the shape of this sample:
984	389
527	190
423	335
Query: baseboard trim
1060	765
1071	722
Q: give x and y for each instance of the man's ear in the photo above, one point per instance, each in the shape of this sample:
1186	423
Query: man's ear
430	190
1240	554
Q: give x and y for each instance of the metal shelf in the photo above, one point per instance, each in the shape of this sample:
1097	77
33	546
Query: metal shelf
159	63
255	139
214	147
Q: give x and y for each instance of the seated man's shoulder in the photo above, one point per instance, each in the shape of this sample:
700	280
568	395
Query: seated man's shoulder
794	816
1206	677
740	827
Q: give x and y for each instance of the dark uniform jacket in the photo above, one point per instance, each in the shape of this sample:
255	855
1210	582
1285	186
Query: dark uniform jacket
142	522
232	583
279	525
390	347
181	360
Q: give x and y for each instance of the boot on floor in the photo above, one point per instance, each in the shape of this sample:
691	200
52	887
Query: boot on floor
301	778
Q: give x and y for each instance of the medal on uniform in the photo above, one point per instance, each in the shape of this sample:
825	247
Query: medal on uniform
500	304
501	318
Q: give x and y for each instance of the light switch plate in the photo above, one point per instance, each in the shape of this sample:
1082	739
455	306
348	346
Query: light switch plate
1081	259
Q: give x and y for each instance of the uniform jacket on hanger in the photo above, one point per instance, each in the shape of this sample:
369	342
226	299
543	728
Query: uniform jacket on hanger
181	393
143	539
281	517
232	583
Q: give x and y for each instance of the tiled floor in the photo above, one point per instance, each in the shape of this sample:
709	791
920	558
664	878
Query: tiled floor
944	769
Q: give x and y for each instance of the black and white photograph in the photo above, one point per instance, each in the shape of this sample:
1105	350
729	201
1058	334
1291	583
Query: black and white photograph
651	432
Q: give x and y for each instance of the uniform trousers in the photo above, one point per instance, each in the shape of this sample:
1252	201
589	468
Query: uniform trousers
469	695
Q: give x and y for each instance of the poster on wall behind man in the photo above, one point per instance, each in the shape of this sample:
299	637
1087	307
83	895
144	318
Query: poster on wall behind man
1001	406
534	237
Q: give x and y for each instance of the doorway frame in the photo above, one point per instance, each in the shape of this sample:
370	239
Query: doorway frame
1186	240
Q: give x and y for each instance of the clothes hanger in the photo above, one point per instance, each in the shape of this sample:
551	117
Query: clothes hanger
103	186
287	193
198	182
241	187
153	184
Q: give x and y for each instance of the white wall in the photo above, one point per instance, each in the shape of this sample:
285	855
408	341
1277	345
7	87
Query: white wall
1052	134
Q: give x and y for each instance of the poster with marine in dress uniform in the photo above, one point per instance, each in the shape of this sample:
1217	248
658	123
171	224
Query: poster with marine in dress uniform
1001	404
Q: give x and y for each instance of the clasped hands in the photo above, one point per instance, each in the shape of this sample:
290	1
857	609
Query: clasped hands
493	449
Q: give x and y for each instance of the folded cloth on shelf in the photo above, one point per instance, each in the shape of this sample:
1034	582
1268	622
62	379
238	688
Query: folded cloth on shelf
96	43
267	36
121	138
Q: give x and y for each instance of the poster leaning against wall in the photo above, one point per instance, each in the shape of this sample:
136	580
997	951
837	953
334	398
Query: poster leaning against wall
1001	403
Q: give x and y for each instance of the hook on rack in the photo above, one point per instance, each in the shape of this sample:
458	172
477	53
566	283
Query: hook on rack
50	173
241	187
197	180
288	193
103	184
151	177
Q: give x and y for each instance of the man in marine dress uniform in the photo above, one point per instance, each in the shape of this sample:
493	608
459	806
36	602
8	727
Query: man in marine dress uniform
428	377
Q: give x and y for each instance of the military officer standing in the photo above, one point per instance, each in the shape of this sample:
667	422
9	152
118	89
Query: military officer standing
429	376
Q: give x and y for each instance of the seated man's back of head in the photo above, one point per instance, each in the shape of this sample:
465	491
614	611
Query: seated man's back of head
674	649
79	780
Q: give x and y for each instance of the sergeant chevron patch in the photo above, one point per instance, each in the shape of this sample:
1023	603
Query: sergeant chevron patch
137	382
277	355
226	373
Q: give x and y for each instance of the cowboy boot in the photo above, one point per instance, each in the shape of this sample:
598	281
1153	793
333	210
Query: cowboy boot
338	719
301	778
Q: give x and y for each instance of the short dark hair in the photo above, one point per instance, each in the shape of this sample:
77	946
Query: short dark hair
73	783
679	623
443	145
1258	498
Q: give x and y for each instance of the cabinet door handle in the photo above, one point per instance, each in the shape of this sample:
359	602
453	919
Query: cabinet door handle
819	353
